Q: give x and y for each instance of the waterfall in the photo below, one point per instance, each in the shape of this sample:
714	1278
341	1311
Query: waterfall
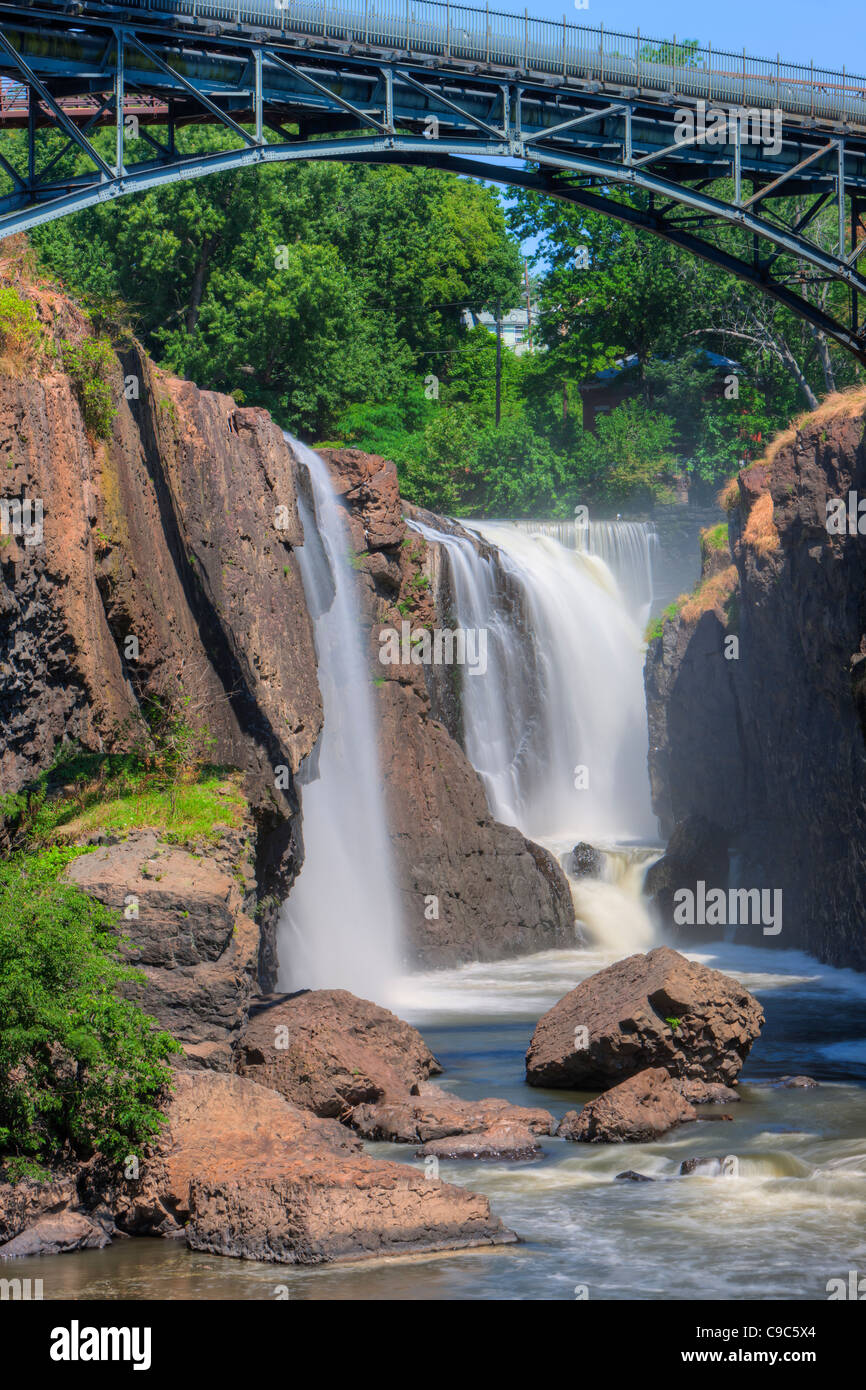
627	548
556	728
340	926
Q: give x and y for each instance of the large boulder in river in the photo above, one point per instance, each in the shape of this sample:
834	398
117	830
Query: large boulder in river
240	1171
328	1051
657	1010
636	1111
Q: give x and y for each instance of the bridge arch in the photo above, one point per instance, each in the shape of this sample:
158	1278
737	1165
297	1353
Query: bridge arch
580	133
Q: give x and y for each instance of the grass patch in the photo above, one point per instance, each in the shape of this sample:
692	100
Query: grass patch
715	537
83	793
729	496
761	534
712	594
656	627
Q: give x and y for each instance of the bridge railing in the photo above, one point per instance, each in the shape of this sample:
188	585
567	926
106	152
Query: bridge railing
488	36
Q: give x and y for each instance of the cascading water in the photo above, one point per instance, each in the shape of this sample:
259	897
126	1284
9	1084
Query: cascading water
556	727
340	926
628	548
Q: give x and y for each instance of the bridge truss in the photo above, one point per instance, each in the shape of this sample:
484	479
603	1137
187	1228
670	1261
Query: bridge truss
709	146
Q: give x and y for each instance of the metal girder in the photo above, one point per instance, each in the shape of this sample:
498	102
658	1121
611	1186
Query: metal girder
235	78
57	112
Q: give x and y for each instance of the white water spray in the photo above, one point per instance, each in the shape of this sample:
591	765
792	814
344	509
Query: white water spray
557	727
340	926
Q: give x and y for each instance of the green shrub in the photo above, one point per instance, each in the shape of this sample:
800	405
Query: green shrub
20	329
89	364
81	1069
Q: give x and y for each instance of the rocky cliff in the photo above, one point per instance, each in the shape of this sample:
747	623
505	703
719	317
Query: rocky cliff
756	693
165	568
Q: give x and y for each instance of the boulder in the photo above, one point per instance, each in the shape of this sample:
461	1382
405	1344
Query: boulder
25	1202
56	1235
796	1083
631	1176
240	1171
704	1092
197	950
514	1142
328	1051
636	1111
646	1011
586	861
438	1115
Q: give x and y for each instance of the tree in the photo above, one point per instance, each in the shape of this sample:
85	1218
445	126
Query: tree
81	1069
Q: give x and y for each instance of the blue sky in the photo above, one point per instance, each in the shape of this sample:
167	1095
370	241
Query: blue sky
832	32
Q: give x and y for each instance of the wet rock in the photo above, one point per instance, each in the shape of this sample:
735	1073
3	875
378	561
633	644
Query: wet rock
328	1051
631	1176
586	861
512	1142
702	1167
704	1092
646	1011
797	1083
636	1111
179	529
240	1171
24	1203
56	1235
438	1115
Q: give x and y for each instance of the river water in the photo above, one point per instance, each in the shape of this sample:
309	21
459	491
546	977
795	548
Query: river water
794	1217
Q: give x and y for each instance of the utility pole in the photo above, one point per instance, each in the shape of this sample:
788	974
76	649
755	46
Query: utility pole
498	361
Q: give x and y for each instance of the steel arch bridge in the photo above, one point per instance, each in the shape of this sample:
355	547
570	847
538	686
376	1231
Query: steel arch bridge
712	139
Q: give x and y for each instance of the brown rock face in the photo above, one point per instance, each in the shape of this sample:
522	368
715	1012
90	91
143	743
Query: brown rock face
249	1175
24	1203
472	889
199	951
179	531
327	1051
771	747
636	1111
625	1009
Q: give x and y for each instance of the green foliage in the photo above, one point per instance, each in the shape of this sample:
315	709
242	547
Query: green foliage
334	295
716	537
656	627
89	364
20	329
81	1069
